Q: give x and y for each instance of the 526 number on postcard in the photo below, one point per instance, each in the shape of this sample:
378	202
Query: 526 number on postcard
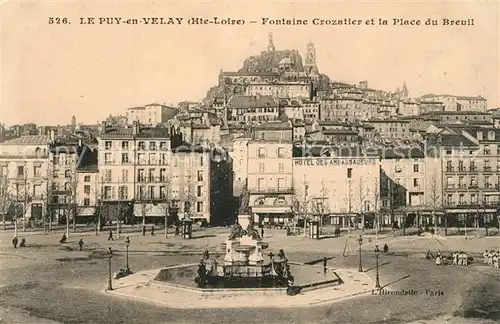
58	20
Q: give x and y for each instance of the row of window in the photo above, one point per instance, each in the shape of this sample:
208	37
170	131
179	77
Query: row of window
22	171
472	183
262	152
464	199
142	176
141	145
472	166
399	169
150	159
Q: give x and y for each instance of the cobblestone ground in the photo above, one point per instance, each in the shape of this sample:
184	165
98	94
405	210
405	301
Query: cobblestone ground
58	283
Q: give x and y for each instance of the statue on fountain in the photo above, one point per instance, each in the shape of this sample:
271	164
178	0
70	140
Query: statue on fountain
236	232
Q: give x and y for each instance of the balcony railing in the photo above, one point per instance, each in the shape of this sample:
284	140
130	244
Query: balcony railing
450	169
272	190
487	169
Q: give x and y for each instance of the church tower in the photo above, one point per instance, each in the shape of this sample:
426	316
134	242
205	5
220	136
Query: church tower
404	91
270	46
310	63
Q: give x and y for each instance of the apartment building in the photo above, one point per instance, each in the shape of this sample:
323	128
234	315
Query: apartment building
269	171
23	177
469	160
338	185
391	128
141	167
281	90
252	109
458	103
150	115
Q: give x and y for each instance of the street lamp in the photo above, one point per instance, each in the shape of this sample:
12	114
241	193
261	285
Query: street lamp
377	281
127	243
360	241
110	252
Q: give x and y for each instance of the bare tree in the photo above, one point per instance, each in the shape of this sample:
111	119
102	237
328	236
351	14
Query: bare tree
5	194
435	202
320	206
120	207
145	205
376	202
72	198
362	194
190	196
349	200
166	197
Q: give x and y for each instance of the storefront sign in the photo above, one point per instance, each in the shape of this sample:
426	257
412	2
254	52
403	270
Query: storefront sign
333	161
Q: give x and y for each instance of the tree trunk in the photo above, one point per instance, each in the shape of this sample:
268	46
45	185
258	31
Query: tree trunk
74	221
3	220
166	222
67	225
24	217
445	225
118	227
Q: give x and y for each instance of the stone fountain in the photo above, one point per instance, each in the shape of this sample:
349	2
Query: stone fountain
244	264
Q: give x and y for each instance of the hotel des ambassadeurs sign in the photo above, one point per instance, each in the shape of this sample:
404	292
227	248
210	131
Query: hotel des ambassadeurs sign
333	161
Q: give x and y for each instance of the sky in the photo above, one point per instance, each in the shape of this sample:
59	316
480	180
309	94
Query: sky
50	72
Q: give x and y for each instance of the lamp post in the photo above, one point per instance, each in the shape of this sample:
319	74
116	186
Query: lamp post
377	281
110	252
360	241
127	243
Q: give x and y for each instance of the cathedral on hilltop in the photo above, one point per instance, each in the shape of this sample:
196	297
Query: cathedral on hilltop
272	66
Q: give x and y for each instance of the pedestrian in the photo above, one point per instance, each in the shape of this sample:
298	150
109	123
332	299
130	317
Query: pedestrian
490	258
23	243
143	230
495	261
455	258
152	230
485	257
110	237
438	259
14	242
466	259
80	243
325	262
262	232
63	239
386	248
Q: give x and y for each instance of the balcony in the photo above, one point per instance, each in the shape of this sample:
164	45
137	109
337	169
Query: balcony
473	186
271	190
462	186
487	169
450	186
450	169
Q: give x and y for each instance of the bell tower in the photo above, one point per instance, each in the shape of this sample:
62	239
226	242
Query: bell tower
310	63
270	46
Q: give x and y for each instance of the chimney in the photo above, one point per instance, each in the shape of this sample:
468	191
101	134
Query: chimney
135	128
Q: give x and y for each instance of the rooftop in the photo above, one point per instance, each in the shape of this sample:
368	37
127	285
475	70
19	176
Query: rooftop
29	140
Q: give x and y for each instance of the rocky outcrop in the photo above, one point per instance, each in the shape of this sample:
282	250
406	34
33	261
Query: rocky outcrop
269	61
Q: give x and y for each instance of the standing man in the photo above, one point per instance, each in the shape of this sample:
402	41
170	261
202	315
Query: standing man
80	243
14	242
110	237
262	231
325	263
152	230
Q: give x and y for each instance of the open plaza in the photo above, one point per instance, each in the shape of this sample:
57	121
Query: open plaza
58	283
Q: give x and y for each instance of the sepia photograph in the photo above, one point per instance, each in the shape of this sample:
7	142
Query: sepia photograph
250	162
